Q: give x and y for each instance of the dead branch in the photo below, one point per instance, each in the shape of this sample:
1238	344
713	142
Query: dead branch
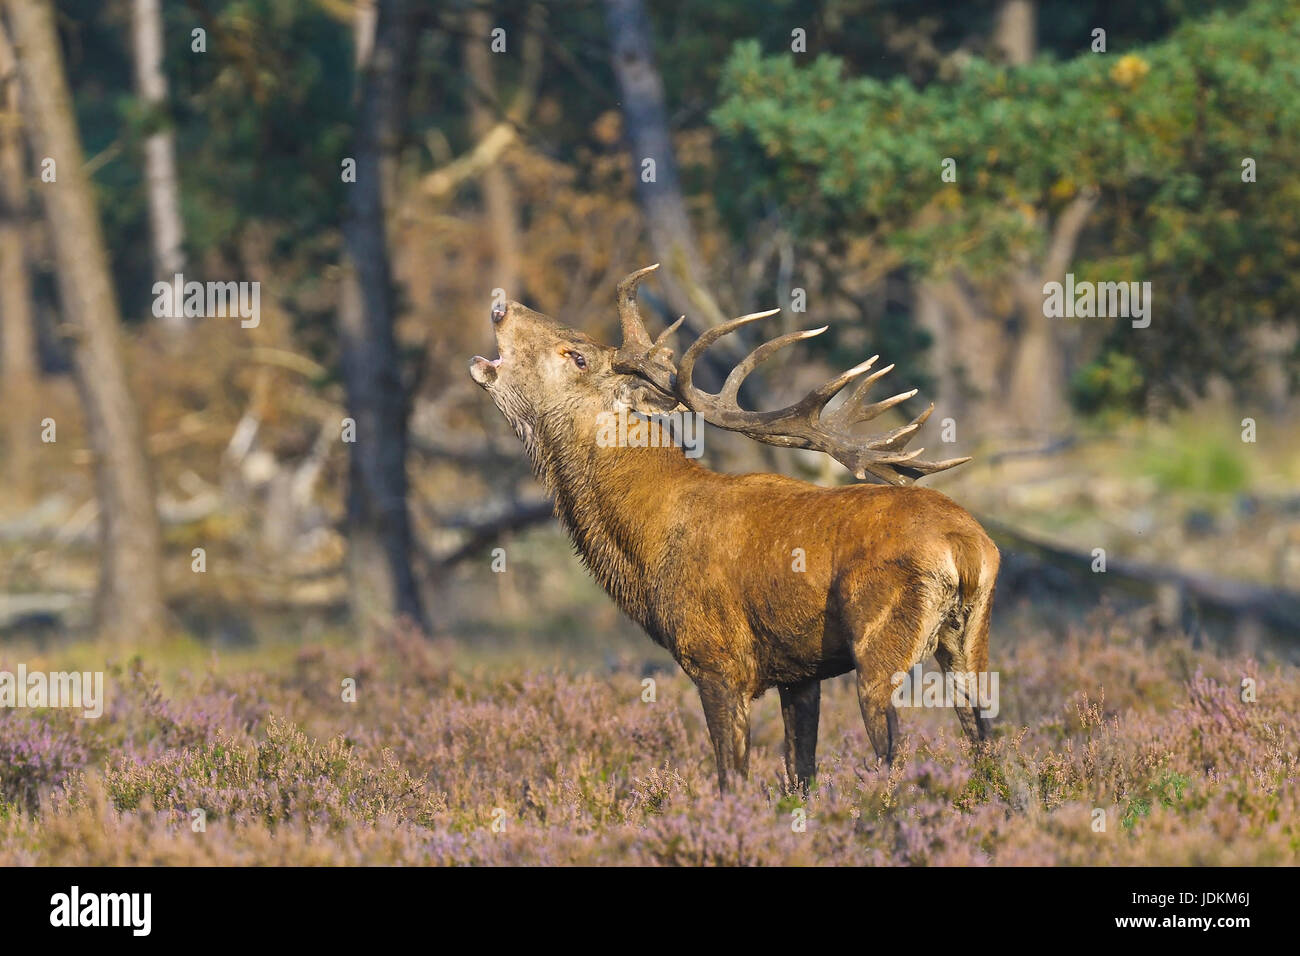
481	529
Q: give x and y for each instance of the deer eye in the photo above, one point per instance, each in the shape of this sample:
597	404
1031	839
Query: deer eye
578	358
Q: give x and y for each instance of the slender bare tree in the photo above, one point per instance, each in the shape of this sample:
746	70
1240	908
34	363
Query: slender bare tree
130	599
381	582
165	226
498	190
645	121
17	333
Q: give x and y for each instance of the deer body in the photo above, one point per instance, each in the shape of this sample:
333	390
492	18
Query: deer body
751	581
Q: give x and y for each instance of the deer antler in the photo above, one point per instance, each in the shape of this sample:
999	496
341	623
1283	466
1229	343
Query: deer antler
639	355
805	424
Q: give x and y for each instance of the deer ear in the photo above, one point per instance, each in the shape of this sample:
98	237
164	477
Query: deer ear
644	397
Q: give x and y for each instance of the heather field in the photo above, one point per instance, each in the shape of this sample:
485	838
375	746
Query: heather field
453	757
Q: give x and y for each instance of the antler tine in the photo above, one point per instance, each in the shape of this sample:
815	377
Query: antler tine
686	367
930	467
851	413
860	392
815	401
634	331
811	404
737	376
663	336
896	438
652	360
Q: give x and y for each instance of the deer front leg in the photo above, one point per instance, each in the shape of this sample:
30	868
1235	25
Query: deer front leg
726	711
800	708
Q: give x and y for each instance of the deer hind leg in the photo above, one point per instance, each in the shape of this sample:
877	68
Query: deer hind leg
903	631
726	711
964	650
800	709
879	714
876	659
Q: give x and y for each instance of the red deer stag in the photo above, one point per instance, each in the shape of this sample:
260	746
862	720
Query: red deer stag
704	562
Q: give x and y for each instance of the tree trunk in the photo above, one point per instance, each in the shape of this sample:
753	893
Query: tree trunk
498	191
129	602
978	347
1015	31
17	333
166	229
381	583
1037	385
929	313
646	127
1036	390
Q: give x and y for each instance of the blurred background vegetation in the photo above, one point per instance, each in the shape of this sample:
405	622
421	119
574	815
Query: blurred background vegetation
798	156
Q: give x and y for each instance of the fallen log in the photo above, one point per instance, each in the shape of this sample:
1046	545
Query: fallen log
1031	563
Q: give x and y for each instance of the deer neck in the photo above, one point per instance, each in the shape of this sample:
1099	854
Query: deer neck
618	504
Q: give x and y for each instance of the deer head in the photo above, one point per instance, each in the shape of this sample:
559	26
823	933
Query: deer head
551	380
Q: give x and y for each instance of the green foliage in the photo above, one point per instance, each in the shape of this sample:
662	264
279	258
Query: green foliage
262	120
1111	381
1161	131
1136	809
1167	792
1198	464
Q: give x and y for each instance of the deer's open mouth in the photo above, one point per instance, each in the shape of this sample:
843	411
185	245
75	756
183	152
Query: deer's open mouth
484	371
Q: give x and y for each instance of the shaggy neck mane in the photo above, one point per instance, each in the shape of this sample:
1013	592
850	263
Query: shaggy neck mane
606	497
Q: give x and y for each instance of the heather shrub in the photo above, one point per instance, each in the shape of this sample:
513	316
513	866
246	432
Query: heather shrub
657	790
37	753
1110	750
285	775
742	829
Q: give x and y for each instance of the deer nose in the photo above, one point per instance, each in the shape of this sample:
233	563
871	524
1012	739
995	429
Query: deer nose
498	313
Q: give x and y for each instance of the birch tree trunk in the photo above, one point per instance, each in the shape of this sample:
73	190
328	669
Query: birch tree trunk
165	227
